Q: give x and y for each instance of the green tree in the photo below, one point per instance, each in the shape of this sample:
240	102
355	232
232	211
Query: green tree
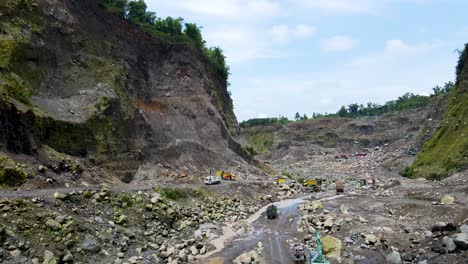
343	112
297	116
137	11
193	32
170	26
353	109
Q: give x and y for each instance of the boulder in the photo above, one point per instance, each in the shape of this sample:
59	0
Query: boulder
461	240
328	223
447	199
371	239
90	244
331	247
245	258
49	258
316	205
53	224
449	244
464	229
393	258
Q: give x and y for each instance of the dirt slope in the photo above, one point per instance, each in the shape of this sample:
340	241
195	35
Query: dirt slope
305	149
87	88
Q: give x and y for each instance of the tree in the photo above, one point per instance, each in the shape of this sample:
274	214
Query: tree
137	11
304	117
353	109
297	116
193	31
343	112
170	26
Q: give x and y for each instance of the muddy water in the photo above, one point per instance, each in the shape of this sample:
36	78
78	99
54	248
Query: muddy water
273	233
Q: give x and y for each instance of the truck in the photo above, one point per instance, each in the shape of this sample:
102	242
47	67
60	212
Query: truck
226	175
272	212
339	186
210	180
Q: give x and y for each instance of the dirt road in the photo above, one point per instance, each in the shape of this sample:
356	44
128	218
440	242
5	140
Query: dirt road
115	188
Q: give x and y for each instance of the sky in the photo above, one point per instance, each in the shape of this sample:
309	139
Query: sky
307	56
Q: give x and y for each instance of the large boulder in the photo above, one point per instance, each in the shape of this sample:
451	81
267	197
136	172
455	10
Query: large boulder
464	229
331	247
90	244
49	258
394	258
449	244
461	240
447	199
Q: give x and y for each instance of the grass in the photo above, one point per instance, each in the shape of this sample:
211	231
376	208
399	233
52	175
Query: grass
176	193
447	150
11	175
261	142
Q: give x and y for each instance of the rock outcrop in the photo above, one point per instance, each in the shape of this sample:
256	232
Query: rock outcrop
86	83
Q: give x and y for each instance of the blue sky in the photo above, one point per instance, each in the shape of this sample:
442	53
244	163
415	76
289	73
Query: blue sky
306	56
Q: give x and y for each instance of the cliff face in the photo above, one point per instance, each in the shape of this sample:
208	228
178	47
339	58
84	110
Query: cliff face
447	151
78	81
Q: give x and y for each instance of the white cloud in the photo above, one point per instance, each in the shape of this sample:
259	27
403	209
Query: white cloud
398	68
284	34
280	33
242	44
238	10
396	50
304	31
339	43
341	6
369	7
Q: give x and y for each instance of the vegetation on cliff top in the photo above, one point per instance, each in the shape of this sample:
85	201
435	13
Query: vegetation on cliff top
404	102
447	150
171	29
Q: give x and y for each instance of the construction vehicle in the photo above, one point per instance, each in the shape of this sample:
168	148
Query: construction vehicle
281	180
316	256
226	175
312	185
299	254
339	186
272	212
210	180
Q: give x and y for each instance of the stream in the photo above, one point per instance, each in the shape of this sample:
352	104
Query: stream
273	233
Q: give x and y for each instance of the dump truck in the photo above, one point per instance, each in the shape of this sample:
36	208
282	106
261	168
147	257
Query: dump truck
272	212
312	185
210	180
226	175
339	186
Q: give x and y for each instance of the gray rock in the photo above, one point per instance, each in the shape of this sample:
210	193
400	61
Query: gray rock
53	224
461	240
91	244
68	257
371	239
464	229
449	244
49	258
394	257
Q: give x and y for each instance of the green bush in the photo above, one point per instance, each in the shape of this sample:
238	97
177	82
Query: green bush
177	193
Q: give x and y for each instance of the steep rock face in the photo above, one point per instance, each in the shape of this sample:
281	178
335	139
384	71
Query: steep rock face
447	151
92	85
